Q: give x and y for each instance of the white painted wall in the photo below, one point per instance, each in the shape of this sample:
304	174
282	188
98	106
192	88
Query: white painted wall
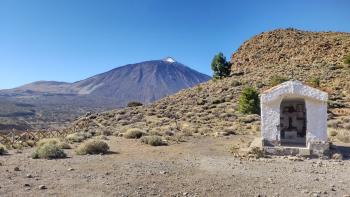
316	129
316	111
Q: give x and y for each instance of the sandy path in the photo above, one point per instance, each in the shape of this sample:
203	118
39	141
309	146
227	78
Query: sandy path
198	167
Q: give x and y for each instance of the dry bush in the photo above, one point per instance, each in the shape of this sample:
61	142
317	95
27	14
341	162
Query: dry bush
176	138
331	132
257	152
30	143
78	137
153	140
133	133
188	129
234	149
343	135
334	123
61	144
347	126
92	147
116	133
106	132
101	137
48	151
134	104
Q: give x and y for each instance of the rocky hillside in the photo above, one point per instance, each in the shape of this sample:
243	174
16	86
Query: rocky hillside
211	108
51	102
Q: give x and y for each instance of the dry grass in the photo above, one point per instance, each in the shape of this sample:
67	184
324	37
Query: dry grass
60	143
92	147
343	135
153	140
332	132
78	137
340	134
48	151
133	133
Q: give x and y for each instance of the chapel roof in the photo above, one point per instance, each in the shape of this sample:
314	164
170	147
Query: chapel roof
294	87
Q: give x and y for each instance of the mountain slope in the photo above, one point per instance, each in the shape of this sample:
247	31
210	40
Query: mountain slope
212	107
144	82
59	102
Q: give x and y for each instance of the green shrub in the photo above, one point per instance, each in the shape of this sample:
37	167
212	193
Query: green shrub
347	59
134	104
153	140
315	81
2	150
249	101
48	151
275	80
133	133
92	147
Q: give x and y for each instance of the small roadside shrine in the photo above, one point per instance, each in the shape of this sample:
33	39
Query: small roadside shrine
294	120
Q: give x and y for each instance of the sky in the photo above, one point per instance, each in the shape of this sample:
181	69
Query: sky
70	40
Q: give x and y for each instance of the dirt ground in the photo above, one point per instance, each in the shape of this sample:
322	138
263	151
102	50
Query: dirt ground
200	166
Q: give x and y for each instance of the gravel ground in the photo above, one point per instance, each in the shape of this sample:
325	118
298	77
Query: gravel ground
198	167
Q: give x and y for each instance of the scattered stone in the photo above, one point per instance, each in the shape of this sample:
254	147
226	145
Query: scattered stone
306	191
337	156
42	187
29	176
70	169
26	185
294	158
163	172
16	169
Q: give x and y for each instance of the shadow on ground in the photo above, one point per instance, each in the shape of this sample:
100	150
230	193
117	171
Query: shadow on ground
344	150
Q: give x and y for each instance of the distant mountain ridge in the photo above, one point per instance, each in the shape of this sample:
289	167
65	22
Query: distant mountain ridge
212	108
144	82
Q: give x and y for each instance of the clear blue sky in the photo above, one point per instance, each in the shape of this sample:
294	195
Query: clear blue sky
69	40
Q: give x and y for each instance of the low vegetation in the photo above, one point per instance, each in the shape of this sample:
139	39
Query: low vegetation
134	104
249	102
133	133
153	140
343	135
315	81
276	80
340	134
347	59
48	151
78	137
92	147
60	143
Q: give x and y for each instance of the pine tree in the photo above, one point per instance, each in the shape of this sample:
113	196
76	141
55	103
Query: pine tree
249	101
220	66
